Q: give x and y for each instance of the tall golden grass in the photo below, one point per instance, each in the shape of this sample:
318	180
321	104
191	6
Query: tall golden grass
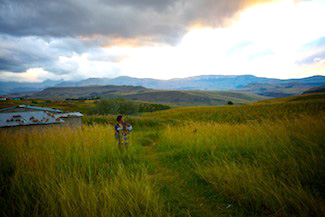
240	114
74	172
269	168
262	160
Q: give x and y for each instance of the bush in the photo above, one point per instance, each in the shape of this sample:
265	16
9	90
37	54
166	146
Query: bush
114	106
150	107
122	106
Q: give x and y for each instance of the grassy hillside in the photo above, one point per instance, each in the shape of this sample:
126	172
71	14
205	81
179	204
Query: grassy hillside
264	159
273	109
179	98
312	97
89	91
320	89
240	114
199	97
276	89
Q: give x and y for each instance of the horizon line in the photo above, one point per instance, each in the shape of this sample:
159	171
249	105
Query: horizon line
63	80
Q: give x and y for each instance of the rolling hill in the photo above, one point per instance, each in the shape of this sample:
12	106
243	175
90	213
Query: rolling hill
309	97
320	89
171	97
275	89
88	91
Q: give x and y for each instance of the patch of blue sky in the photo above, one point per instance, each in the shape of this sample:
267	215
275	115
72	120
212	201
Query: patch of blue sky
312	59
318	43
239	47
263	53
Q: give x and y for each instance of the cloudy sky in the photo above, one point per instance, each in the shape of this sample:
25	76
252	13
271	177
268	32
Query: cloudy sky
78	39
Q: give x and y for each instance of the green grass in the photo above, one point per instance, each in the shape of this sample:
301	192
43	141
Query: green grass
240	114
264	159
74	172
261	169
275	109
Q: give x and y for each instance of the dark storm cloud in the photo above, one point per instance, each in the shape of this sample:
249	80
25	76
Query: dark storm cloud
162	20
20	54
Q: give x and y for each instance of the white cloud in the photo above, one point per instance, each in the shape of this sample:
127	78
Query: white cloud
276	33
317	60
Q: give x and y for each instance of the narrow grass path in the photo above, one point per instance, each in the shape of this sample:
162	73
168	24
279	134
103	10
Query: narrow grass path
180	199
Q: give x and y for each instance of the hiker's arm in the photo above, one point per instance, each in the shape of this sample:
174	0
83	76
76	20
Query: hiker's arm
129	127
118	127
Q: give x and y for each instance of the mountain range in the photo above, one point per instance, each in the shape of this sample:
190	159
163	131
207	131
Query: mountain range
240	83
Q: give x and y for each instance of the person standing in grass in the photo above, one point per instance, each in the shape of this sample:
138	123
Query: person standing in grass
122	130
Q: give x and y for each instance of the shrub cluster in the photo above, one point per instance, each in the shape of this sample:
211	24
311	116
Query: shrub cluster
122	106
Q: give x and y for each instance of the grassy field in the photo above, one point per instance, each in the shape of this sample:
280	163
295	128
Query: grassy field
263	159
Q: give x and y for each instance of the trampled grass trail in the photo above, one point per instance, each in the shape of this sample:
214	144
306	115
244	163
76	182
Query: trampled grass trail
180	198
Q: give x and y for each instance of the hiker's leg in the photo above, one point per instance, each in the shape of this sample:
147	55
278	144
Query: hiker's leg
126	141
120	142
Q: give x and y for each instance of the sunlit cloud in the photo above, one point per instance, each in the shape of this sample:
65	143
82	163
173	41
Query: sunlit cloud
31	75
266	41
